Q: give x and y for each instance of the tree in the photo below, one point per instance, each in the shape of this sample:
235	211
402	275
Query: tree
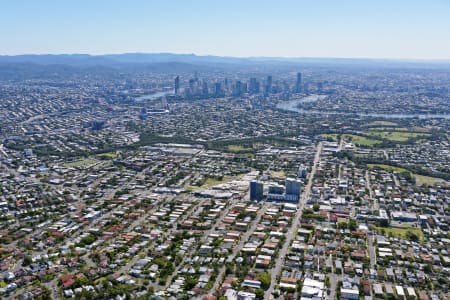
316	206
27	260
259	294
190	283
412	236
342	225
352	224
265	279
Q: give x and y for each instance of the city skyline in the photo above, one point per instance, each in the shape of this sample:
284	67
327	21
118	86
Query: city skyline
349	29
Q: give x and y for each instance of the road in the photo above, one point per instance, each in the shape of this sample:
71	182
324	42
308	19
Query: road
275	271
240	245
397	183
126	268
375	204
372	254
341	144
202	240
333	285
386	155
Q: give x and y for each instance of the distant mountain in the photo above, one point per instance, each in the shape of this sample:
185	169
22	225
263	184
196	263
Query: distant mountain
59	59
156	61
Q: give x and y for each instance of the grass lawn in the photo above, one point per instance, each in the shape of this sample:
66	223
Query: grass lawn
236	148
360	140
420	129
397	136
382	123
80	163
400	232
388	129
387	168
427	180
110	155
333	136
278	174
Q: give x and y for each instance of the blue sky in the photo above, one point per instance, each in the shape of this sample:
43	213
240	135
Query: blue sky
285	28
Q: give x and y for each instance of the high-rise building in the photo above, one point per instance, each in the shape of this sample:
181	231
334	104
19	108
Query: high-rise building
218	90
268	86
320	87
302	172
98	124
253	86
293	188
237	88
298	83
305	88
177	85
276	189
143	114
205	89
256	190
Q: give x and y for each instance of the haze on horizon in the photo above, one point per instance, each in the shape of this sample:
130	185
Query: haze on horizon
400	29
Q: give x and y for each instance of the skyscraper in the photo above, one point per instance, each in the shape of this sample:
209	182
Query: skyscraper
256	190
218	90
253	86
293	187
177	85
237	88
302	171
268	86
320	87
298	83
205	89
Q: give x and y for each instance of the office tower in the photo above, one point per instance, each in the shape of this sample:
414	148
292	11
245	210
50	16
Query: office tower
244	88
320	87
237	89
276	193
276	189
302	172
191	83
196	76
177	85
205	89
298	83
254	86
217	89
97	124
268	86
305	88
293	187
286	87
165	103
143	114
256	190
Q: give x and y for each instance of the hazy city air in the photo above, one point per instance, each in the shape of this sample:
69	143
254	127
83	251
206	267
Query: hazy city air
225	150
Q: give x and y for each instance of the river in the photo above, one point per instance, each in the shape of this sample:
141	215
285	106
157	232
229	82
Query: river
292	105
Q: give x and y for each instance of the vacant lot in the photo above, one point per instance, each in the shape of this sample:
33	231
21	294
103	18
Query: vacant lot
80	163
360	140
427	180
397	136
387	168
109	155
333	136
400	232
382	123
